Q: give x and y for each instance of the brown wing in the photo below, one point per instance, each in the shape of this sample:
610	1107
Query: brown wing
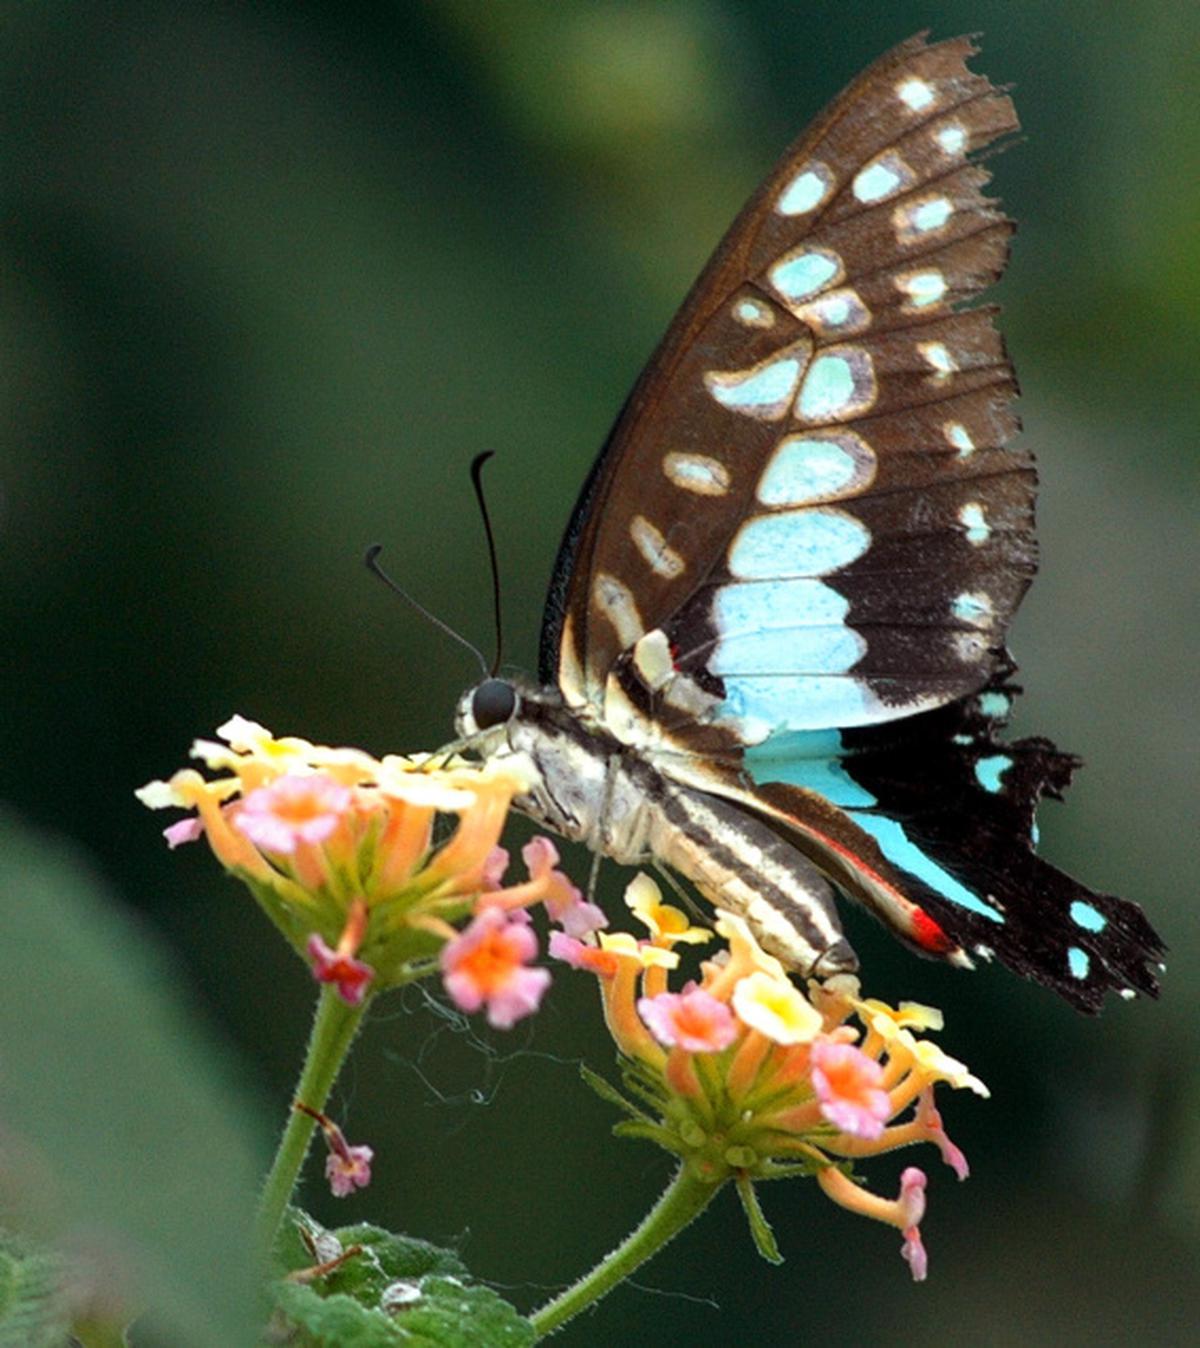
820	439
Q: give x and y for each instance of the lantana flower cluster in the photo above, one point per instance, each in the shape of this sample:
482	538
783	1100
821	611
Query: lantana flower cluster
379	871
744	1077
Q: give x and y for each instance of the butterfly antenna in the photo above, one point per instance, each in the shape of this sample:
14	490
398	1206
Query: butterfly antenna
477	480
372	562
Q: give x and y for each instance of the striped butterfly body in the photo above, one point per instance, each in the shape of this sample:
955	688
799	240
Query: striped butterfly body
773	654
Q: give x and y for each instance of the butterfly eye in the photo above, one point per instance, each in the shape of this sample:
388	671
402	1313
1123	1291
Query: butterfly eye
493	702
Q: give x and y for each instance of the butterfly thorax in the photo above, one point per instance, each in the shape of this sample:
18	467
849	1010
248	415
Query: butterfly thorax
589	787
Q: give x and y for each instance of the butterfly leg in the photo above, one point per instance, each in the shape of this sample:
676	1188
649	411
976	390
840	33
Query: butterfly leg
612	769
668	877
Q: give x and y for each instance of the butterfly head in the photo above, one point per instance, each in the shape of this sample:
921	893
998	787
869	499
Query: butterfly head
489	705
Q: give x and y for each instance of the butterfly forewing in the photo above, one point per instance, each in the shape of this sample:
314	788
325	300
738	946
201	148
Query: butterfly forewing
812	467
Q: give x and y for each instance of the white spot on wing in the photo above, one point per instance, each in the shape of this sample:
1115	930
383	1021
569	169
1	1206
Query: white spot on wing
616	602
923	288
810	542
760	705
649	541
974	521
806	191
937	356
570	667
974	608
652	659
753	313
915	93
839	311
815	467
951	139
839	384
763	391
970	647
798	275
914	221
957	436
882	178
696	473
783	627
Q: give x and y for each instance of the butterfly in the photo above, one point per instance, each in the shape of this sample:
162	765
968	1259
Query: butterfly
772	657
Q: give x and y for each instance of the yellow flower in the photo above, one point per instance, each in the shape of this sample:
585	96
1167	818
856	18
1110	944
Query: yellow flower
776	1008
629	947
666	923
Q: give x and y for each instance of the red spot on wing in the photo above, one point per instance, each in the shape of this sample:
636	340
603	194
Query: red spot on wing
922	929
929	935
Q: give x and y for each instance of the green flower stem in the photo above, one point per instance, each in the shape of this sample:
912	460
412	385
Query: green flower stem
683	1200
334	1028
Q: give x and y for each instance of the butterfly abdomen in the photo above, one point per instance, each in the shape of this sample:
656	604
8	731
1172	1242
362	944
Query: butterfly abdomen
594	790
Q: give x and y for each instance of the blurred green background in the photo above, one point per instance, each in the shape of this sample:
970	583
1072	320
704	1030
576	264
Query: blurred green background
271	274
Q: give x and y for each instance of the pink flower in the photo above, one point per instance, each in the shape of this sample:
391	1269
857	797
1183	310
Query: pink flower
563	901
351	976
294	809
494	868
692	1020
579	955
348	1168
848	1086
912	1201
929	1118
183	831
486	964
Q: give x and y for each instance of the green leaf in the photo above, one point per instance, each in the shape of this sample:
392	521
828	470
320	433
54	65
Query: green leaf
33	1313
760	1228
394	1290
126	1127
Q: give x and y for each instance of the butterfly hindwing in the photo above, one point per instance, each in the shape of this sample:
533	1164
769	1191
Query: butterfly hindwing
937	835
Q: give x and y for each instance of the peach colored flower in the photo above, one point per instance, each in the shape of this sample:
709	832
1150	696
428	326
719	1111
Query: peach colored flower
486	966
849	1086
291	810
691	1019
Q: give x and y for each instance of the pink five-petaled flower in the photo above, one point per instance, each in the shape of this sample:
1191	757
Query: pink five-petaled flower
693	1020
486	964
297	808
848	1085
346	1167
